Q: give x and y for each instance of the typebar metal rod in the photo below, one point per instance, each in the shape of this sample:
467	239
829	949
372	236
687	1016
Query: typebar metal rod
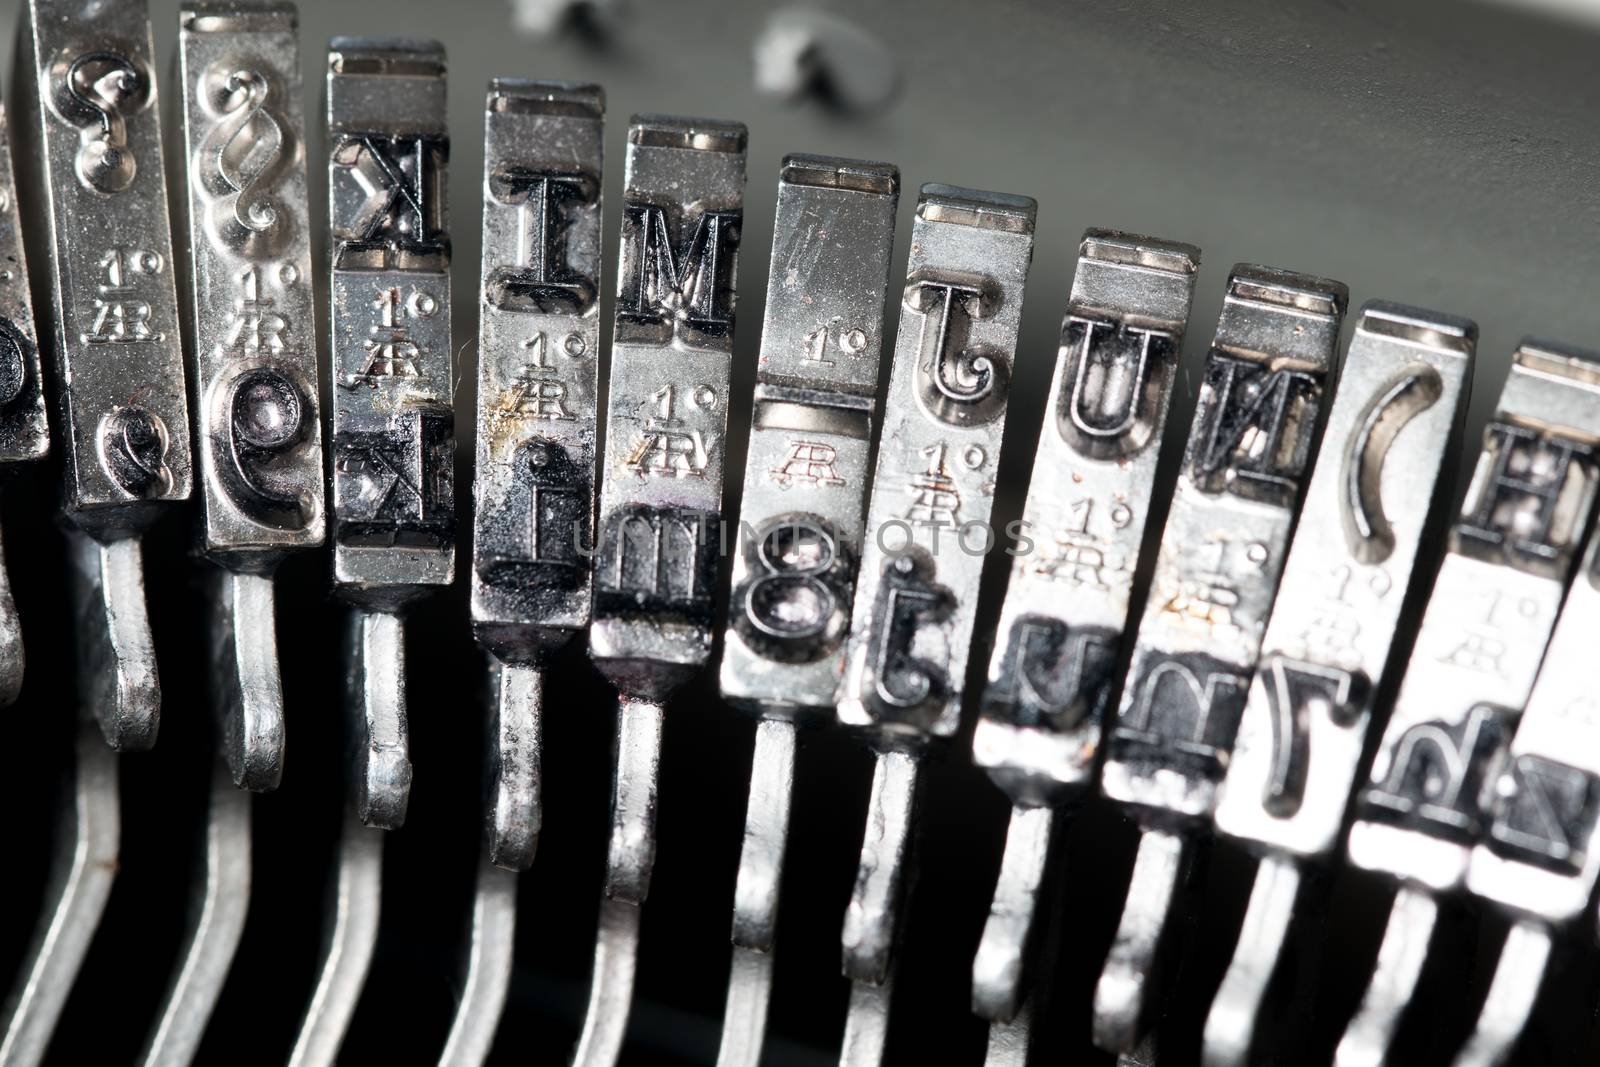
629	861
756	893
1368	1038
1230	1026
491	939
872	920
1512	995
219	902
82	869
1122	995
1002	952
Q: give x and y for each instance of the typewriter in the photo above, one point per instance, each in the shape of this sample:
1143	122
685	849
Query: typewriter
616	533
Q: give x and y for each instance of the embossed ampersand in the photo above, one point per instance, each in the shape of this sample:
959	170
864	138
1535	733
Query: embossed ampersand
244	155
96	91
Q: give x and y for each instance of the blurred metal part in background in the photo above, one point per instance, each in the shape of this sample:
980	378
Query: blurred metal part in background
1511	555
1402	395
1255	429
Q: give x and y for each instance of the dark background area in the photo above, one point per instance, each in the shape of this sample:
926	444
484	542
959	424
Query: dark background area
1429	151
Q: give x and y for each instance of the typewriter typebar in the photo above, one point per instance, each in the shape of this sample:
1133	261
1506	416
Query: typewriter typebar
927	533
661	495
538	363
88	132
1426	803
1222	552
1538	856
1401	398
392	439
93	134
24	429
392	427
1069	599
254	354
252	358
805	493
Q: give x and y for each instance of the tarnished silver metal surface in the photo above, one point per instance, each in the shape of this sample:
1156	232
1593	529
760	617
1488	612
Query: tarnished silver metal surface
538	361
1222	553
1068	600
92	134
806	476
24	431
927	527
1483	635
661	496
253	353
926	535
220	899
392	427
805	492
1403	389
661	501
82	868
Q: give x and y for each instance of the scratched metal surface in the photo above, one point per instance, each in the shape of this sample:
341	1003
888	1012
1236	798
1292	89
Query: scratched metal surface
1429	152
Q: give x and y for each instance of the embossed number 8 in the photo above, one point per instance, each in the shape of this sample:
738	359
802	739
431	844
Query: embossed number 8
794	606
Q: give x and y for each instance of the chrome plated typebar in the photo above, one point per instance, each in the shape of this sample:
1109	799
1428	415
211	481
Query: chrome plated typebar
1222	552
1068	602
253	363
24	431
805	494
927	534
1403	390
393	431
1539	856
538	363
538	359
254	350
661	498
94	135
1494	604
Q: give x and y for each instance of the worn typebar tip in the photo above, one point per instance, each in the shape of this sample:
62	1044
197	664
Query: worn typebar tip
528	96
1433	329
977	207
231	16
701	135
400	56
1303	292
830	172
1136	250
